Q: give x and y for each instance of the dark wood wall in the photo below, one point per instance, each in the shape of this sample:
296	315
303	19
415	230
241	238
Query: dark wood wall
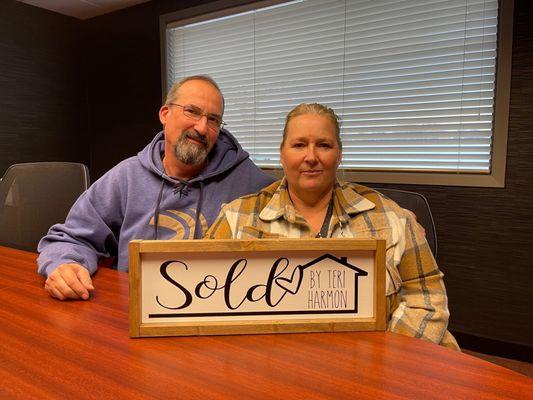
42	94
124	89
485	234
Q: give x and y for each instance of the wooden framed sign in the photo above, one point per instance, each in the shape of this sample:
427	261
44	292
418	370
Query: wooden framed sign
216	287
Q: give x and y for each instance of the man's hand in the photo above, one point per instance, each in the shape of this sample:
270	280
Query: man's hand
69	281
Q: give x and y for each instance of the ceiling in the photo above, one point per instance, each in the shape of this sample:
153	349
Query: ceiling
83	9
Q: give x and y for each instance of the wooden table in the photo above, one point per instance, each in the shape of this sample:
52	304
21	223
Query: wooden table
81	350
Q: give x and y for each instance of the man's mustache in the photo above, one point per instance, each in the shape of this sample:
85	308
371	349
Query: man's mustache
196	136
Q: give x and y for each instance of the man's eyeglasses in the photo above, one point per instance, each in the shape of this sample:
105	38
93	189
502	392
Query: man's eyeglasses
214	122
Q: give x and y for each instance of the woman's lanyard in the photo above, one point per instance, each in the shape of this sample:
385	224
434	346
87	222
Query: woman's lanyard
325	225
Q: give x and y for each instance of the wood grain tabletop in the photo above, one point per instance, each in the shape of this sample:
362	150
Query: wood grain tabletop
81	350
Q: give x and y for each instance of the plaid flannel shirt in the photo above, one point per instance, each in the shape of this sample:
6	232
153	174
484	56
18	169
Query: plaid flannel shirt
417	305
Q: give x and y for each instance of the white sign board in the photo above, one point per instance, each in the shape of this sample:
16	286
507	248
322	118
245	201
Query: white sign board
232	286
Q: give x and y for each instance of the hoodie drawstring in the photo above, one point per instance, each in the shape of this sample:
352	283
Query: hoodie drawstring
182	188
157	205
198	210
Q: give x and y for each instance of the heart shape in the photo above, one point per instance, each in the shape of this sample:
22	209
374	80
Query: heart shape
291	285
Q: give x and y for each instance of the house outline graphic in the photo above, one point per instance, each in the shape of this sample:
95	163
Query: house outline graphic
344	262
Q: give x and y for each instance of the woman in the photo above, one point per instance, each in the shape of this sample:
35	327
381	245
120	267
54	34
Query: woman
309	202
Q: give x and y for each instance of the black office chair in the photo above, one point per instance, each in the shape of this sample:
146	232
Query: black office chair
34	196
419	205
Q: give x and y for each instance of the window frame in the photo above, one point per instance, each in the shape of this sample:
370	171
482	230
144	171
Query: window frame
496	177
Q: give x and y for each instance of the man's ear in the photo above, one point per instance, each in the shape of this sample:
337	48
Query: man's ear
163	114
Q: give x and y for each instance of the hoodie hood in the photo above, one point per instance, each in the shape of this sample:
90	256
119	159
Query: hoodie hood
225	155
226	158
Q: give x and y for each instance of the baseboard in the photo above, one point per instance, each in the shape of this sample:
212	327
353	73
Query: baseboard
494	347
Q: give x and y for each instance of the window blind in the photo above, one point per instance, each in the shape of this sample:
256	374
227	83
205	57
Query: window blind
412	80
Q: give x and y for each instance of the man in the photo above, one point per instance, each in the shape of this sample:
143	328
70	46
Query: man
172	189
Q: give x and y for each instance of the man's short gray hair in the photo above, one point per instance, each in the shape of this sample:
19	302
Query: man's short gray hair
174	90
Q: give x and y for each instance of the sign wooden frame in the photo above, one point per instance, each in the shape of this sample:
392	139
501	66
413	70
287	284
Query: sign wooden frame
334	250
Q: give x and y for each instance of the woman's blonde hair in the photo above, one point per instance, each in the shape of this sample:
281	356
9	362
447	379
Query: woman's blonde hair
315	109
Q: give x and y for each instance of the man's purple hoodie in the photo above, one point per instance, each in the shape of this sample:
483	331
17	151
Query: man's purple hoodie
137	200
